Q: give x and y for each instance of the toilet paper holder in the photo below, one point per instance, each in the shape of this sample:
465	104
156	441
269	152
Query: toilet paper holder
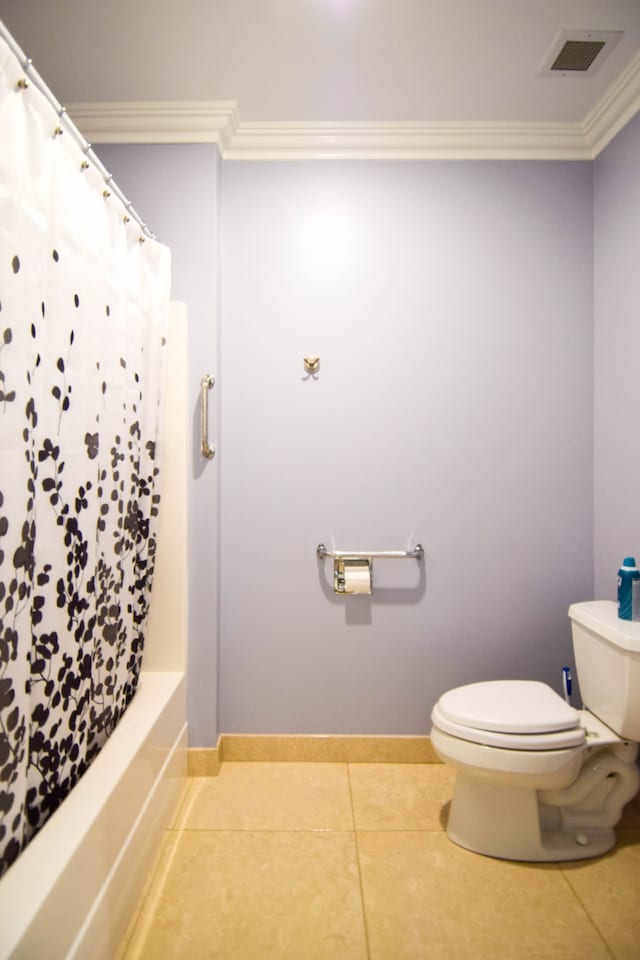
353	569
352	575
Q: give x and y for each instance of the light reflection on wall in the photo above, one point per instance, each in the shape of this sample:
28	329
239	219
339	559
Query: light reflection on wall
329	235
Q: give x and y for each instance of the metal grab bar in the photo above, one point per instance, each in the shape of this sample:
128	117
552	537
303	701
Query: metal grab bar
416	554
206	384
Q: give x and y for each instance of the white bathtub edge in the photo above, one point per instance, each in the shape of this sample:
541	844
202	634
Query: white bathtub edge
50	895
105	925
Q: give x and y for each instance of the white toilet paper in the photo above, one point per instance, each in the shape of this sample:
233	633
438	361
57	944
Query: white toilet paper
357	576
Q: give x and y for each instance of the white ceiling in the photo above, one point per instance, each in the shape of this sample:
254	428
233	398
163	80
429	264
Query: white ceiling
349	61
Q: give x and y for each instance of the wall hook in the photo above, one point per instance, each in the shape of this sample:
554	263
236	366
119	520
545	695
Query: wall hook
311	366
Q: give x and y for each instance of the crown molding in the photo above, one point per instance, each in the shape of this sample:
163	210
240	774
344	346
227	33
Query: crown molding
406	141
170	121
620	103
218	121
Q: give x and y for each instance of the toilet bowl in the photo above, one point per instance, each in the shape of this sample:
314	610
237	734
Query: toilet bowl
537	779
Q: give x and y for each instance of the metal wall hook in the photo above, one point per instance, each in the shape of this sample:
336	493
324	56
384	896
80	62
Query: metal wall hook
311	365
206	384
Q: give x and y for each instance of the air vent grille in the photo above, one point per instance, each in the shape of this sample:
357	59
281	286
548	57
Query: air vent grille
577	55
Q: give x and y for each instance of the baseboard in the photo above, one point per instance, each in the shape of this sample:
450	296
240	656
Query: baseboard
204	761
314	749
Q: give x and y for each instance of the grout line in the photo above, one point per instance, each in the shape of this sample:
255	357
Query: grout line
360	883
252	829
586	910
293	830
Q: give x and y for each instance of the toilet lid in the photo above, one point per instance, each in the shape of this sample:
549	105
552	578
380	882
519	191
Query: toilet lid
558	740
508	706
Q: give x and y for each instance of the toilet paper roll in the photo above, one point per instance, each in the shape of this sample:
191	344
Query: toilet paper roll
357	577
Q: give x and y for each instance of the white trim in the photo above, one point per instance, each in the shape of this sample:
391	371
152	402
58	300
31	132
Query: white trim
218	122
615	109
405	141
171	121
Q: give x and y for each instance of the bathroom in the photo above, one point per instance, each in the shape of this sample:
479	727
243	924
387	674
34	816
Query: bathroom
474	320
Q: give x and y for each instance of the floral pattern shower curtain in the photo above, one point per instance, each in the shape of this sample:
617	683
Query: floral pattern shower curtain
83	305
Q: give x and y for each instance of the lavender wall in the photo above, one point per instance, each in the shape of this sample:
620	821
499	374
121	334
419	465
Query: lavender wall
175	188
451	306
617	355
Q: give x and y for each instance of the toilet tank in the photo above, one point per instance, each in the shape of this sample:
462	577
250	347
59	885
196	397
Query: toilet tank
607	652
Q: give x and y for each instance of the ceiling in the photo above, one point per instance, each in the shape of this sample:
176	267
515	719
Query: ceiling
312	68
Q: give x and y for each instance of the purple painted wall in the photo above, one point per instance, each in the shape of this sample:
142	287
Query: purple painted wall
617	356
451	306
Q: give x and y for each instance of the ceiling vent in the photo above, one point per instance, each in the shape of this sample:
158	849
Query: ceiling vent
579	53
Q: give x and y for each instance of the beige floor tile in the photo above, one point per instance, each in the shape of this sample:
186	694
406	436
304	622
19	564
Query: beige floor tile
400	796
426	899
609	888
271	796
266	895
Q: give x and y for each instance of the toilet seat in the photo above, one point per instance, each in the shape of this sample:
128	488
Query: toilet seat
511	714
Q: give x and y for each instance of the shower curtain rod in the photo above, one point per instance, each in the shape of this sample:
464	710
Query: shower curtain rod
30	71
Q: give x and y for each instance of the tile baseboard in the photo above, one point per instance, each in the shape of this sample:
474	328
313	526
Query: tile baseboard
332	749
313	749
204	761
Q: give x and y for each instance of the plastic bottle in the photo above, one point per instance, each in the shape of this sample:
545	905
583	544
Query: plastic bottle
629	590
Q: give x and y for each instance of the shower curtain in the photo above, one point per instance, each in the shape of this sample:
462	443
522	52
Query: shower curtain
83	303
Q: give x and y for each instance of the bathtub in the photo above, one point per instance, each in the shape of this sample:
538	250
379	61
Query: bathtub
71	892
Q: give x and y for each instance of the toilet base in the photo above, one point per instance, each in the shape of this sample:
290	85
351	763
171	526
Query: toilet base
504	822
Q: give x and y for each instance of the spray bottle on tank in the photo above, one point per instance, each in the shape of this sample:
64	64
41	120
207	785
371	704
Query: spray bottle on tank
629	590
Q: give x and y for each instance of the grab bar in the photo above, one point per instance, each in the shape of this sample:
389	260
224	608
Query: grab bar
206	384
416	554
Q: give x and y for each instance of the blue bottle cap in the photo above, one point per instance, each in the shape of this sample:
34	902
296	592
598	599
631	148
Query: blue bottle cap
629	562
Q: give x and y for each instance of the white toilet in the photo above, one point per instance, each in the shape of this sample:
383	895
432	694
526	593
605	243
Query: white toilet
536	779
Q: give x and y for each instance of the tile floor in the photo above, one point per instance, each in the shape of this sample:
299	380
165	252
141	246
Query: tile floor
336	861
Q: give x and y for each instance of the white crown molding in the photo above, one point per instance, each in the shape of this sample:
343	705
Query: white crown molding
620	103
218	122
406	141
171	121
